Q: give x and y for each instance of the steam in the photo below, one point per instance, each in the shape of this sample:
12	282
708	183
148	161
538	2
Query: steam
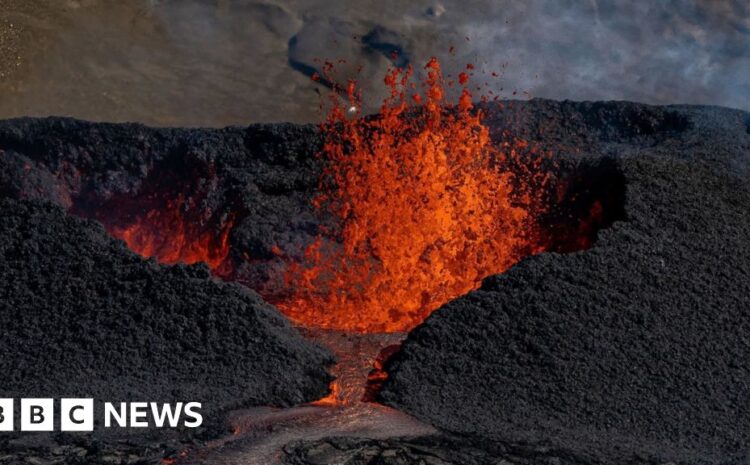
219	62
677	51
655	52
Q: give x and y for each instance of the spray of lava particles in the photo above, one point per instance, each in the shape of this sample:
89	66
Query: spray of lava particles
424	209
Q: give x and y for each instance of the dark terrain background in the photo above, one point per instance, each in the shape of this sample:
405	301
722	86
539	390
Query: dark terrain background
633	351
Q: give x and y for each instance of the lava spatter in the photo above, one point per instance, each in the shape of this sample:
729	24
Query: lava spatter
425	208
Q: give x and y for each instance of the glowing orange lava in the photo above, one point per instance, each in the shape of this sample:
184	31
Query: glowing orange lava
171	238
425	209
332	398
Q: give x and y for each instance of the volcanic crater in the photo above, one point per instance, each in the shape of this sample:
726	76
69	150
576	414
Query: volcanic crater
614	336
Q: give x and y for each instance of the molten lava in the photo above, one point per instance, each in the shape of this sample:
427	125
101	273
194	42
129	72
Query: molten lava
170	237
424	205
416	206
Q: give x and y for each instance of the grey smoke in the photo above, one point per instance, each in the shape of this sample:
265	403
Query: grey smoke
675	51
217	62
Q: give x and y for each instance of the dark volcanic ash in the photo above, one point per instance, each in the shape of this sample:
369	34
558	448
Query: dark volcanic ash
82	316
635	350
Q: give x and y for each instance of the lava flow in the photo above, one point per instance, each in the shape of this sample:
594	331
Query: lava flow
425	206
415	206
170	236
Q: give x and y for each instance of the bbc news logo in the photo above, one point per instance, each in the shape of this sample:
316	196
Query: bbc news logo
79	415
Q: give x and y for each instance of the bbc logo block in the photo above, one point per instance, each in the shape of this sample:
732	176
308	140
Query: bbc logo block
6	414
77	414
39	414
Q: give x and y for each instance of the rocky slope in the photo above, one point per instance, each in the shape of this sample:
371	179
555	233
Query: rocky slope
82	316
633	351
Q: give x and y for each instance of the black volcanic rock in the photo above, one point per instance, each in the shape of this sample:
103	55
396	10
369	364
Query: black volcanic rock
634	351
82	316
260	177
438	449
